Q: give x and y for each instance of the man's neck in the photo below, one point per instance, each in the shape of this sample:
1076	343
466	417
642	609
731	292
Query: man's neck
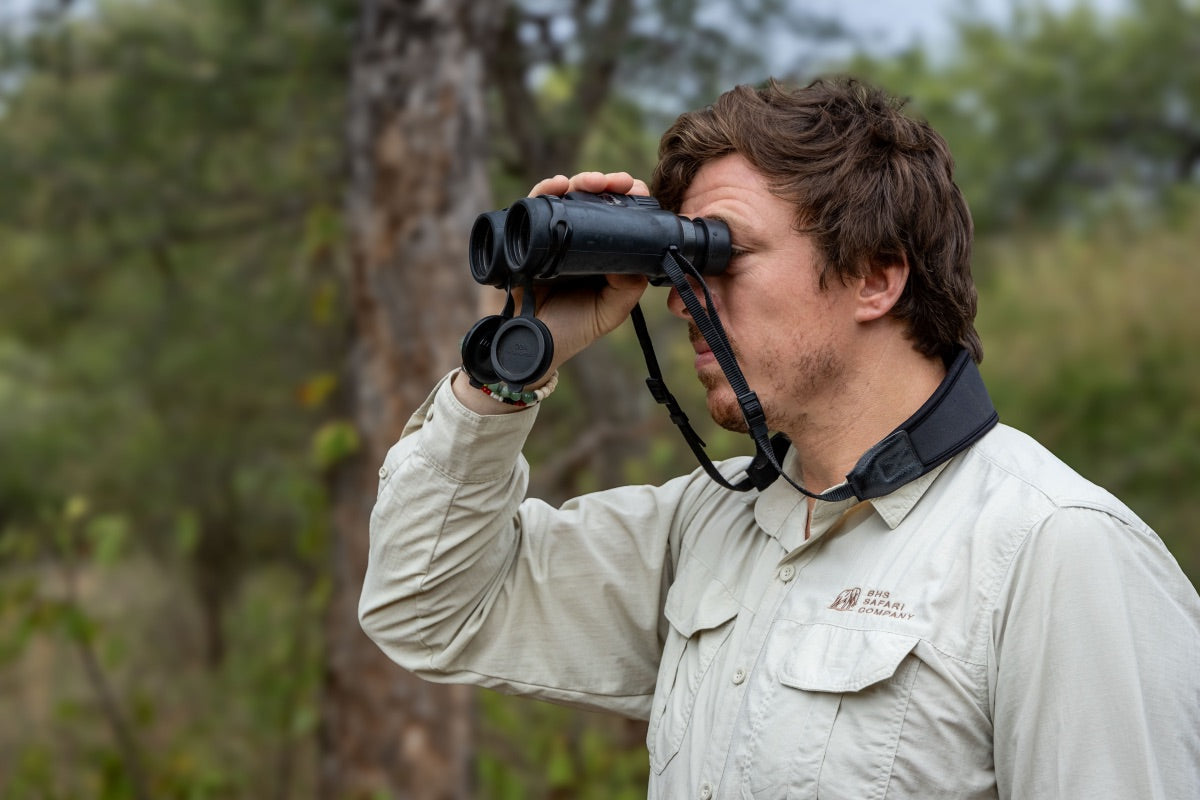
877	395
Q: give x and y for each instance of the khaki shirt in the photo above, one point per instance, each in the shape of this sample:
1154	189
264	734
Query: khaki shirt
997	628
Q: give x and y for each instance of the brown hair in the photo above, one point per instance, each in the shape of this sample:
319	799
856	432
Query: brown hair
869	184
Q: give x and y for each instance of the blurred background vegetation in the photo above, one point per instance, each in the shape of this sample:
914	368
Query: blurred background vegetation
175	322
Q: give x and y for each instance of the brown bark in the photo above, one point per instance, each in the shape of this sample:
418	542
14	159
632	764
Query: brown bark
417	180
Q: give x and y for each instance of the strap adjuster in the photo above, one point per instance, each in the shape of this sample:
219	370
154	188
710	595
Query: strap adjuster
658	390
752	410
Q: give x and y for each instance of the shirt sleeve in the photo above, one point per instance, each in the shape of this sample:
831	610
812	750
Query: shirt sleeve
1096	665
468	582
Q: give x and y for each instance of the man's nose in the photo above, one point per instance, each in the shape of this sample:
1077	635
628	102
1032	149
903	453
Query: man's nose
675	302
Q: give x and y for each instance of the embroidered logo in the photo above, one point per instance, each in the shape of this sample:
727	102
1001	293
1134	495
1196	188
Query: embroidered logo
846	599
877	602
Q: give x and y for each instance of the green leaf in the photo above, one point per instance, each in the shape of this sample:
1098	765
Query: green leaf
109	535
187	532
560	768
333	442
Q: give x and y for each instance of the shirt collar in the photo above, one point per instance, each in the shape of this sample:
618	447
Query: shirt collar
894	507
780	510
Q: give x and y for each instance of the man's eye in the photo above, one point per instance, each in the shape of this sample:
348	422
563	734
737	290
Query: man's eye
735	252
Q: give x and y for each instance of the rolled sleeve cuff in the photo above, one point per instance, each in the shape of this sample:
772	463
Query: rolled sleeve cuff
464	446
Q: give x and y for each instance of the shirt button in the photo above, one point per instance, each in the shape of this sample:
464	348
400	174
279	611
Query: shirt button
739	675
705	791
383	472
787	572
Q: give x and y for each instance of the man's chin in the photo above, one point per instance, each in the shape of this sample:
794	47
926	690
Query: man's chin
724	410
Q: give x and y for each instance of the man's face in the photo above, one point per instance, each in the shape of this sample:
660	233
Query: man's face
787	333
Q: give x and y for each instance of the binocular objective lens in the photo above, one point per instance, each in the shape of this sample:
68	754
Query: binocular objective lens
488	265
519	239
521	233
481	254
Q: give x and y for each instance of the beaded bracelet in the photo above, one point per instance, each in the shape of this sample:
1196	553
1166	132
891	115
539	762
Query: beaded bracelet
500	392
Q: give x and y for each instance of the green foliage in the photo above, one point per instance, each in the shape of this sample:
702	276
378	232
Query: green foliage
1063	117
169	326
333	442
1090	347
117	718
534	749
168	202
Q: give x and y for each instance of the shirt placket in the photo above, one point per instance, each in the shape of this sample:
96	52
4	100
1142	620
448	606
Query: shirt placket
776	573
723	768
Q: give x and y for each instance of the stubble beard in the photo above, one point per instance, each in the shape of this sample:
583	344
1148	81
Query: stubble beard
784	392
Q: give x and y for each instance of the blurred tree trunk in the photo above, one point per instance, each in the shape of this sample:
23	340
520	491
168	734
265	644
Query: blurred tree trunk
417	155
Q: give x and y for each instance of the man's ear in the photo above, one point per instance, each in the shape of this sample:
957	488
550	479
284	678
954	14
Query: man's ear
880	287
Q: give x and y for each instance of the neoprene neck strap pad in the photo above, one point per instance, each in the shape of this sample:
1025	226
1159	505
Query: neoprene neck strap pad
958	414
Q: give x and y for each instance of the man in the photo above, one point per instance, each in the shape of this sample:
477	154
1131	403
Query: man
957	614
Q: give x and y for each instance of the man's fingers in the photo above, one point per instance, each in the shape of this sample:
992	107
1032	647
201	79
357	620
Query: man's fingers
589	182
559	184
594	182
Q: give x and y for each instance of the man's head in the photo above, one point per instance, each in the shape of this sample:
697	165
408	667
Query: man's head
868	184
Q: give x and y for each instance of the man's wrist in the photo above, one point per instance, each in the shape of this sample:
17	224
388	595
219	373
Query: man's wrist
496	398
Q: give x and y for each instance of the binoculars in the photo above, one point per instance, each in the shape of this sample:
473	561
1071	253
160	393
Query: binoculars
548	238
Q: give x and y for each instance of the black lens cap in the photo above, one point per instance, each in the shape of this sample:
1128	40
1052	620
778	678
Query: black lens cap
522	351
477	349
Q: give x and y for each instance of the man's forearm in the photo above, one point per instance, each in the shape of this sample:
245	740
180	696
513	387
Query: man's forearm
468	581
448	489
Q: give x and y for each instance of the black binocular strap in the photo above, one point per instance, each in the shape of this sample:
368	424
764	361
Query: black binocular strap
706	319
958	414
658	388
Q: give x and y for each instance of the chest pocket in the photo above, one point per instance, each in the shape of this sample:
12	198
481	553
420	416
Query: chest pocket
841	702
701	614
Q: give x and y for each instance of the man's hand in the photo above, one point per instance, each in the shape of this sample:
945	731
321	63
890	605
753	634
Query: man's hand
576	317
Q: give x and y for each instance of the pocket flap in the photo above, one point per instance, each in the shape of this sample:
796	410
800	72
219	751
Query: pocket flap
825	658
692	607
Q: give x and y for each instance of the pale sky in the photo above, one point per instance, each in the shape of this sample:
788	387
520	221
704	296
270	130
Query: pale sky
896	23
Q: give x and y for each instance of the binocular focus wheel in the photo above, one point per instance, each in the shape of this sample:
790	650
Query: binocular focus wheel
477	349
522	350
